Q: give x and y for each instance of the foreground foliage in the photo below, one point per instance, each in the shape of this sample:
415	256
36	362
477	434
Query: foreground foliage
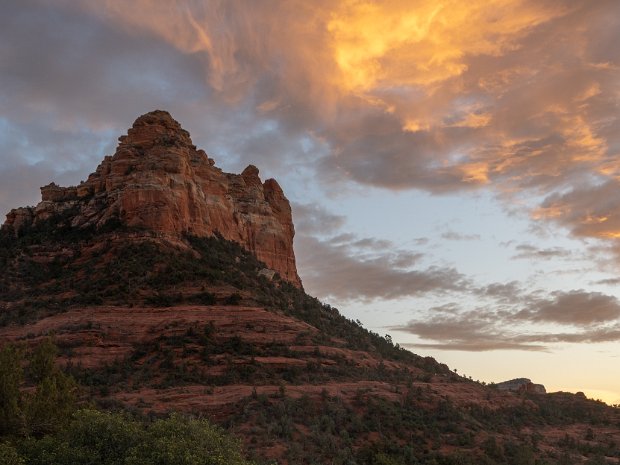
44	408
102	438
39	423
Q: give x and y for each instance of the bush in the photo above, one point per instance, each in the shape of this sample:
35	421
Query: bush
9	456
111	439
41	410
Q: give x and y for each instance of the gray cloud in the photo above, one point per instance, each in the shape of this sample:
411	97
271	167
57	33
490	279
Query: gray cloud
500	325
608	281
455	236
344	266
339	271
472	331
574	308
313	219
587	211
529	251
507	293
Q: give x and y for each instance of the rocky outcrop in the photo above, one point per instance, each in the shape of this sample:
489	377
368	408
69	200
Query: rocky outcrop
159	181
521	385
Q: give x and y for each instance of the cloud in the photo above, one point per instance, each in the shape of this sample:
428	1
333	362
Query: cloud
516	96
587	211
313	219
608	281
510	292
471	331
454	236
506	321
342	271
591	336
529	251
402	84
577	308
489	340
343	266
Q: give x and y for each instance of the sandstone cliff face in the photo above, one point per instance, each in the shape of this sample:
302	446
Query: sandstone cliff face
159	181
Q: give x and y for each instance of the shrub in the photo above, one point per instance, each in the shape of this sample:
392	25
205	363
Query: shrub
111	439
9	456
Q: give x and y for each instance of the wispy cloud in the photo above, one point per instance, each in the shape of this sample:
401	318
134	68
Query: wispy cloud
577	308
529	251
455	236
506	321
343	266
340	272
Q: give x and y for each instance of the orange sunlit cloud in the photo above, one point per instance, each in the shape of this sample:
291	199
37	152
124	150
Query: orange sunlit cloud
399	43
439	95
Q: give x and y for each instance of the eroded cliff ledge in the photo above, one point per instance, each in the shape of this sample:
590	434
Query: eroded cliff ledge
157	180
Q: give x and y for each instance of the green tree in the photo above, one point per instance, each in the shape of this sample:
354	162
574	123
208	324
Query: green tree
11	377
102	438
182	441
51	405
42	360
9	456
46	408
92	437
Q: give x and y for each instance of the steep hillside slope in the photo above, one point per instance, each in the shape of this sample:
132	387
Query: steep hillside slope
155	312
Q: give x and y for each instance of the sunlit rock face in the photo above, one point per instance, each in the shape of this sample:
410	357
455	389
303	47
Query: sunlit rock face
157	180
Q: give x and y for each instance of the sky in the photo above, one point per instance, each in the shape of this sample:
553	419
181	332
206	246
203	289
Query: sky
453	167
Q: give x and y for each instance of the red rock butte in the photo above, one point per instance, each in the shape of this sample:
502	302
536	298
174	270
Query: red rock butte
157	180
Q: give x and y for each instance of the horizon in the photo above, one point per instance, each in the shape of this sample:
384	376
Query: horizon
452	168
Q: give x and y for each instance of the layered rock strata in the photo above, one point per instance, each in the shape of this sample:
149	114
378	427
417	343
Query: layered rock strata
159	181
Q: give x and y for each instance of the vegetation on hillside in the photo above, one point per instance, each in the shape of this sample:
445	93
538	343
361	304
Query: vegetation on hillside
52	269
45	427
81	268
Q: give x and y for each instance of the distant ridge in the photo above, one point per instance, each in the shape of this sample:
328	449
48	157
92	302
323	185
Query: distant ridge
521	385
